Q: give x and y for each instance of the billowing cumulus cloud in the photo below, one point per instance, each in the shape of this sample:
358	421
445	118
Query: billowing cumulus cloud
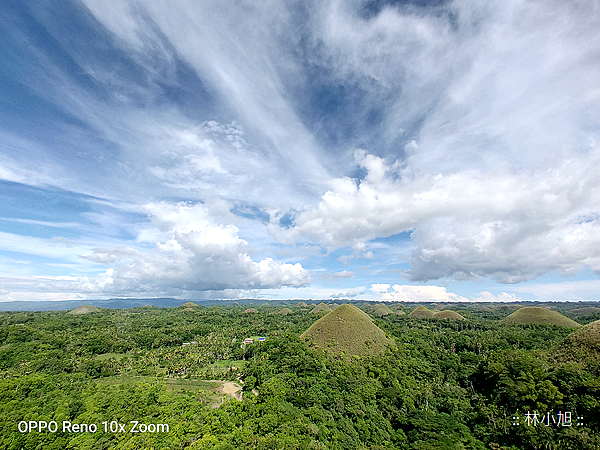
508	226
193	253
380	288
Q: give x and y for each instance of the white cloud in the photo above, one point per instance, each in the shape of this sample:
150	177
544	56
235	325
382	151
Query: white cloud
408	293
237	59
564	290
487	296
56	247
380	288
508	226
193	254
352	293
40	296
343	274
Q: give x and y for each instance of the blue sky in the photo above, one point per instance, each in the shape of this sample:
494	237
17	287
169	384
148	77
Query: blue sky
411	150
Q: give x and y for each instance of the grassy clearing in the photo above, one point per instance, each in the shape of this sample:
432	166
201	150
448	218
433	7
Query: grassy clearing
192	385
106	356
171	384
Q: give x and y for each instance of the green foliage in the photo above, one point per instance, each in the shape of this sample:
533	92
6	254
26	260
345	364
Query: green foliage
444	385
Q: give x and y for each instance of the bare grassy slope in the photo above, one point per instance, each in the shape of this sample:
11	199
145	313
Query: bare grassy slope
320	308
420	312
85	309
588	336
383	310
585	311
448	314
536	314
189	304
349	330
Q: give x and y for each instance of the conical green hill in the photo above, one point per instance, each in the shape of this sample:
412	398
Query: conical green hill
285	311
538	315
85	309
320	308
301	305
581	346
349	330
189	304
420	312
448	314
383	310
588	336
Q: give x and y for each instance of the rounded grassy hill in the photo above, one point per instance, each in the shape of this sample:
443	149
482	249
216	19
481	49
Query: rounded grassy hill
189	304
581	346
285	311
347	330
420	312
587	336
320	308
538	315
84	309
383	310
448	314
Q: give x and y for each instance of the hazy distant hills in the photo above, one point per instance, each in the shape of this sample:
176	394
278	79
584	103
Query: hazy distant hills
116	303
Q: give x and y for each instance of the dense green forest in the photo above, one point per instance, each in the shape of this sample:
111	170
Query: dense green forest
442	384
